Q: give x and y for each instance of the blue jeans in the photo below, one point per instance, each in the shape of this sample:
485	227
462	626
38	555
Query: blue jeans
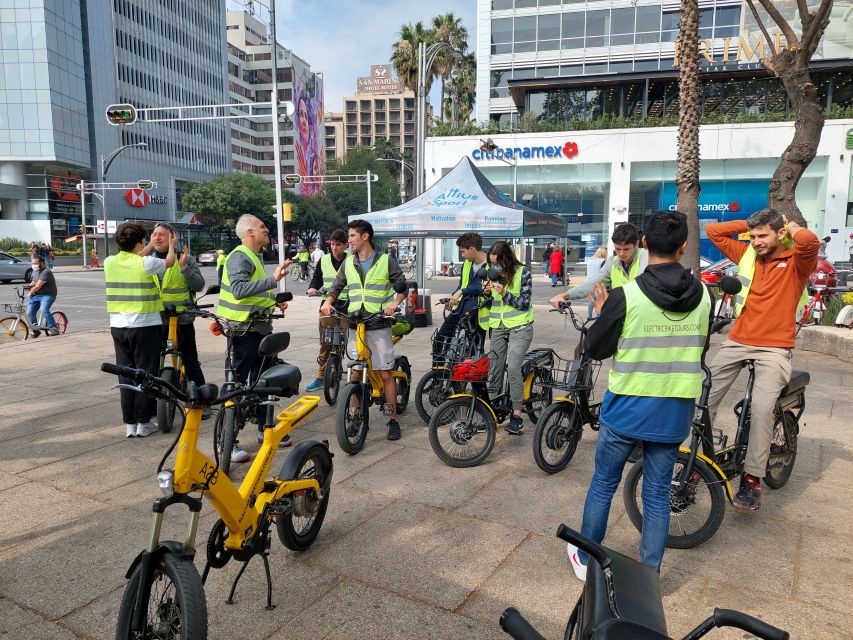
45	302
611	454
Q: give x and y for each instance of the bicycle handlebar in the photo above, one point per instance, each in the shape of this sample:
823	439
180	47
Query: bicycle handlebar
516	626
750	624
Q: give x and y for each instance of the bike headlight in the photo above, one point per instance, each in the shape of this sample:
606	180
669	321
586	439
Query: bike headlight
166	480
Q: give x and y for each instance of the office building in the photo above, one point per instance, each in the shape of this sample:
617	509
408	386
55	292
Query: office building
609	67
64	63
301	135
335	148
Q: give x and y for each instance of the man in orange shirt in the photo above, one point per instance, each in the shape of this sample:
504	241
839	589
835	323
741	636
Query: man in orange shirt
774	269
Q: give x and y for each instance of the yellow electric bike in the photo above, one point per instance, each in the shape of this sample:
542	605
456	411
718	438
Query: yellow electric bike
164	597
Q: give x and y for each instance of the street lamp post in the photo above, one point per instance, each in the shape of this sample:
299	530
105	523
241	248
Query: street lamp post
403	167
105	167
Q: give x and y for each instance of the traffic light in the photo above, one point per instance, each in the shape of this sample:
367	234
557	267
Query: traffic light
121	114
292	178
287	212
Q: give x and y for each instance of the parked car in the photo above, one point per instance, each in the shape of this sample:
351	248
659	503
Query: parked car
12	268
715	272
208	258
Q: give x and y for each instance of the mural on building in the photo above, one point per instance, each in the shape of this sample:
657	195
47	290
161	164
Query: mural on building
308	138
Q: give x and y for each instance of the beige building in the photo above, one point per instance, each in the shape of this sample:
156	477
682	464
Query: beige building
334	124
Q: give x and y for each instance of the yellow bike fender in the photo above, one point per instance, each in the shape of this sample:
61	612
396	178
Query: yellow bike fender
480	400
564	399
528	386
716	469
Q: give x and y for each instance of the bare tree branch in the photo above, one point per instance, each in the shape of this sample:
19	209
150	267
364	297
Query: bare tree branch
803	7
763	30
787	31
812	35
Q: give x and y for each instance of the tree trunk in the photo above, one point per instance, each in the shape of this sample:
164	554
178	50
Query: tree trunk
687	174
807	130
441	99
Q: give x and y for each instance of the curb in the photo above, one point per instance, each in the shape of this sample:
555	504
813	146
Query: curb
833	341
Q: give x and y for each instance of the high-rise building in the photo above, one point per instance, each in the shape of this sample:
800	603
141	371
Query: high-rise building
64	63
301	136
335	148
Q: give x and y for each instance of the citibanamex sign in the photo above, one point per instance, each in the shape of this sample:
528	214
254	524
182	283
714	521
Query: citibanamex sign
140	197
567	150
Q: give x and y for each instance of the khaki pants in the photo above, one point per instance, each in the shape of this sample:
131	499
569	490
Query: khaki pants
325	349
772	373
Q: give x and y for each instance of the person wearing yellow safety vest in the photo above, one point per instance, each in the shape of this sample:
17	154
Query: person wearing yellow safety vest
325	272
657	329
177	286
220	263
134	305
368	278
511	324
246	290
774	269
470	288
629	262
303	258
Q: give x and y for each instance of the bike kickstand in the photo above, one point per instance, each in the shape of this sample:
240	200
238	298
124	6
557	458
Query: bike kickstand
270	605
236	580
205	572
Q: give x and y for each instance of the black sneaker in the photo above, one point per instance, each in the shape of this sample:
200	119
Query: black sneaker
748	497
393	430
515	426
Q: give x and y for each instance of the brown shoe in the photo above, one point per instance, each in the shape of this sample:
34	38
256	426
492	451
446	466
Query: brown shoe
748	497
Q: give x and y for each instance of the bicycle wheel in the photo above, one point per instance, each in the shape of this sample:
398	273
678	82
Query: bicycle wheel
783	450
540	396
351	419
228	428
61	321
696	507
166	409
176	608
332	379
299	528
556	438
404	385
13	329
433	389
462	435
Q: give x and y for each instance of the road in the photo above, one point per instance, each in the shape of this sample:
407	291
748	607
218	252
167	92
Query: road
81	294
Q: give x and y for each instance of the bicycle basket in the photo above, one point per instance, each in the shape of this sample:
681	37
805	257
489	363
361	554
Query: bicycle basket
474	369
574	374
13	308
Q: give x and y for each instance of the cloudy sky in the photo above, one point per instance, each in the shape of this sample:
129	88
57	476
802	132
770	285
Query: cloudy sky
342	38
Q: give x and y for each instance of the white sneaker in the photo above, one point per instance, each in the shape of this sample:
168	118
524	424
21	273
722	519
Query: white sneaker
131	430
574	559
238	455
145	429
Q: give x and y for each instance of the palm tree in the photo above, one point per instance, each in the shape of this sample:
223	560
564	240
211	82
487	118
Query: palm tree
448	29
462	87
384	148
404	54
687	174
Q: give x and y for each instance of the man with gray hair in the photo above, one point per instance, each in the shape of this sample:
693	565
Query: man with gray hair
245	290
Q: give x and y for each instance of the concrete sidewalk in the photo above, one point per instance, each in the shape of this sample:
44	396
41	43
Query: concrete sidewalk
410	548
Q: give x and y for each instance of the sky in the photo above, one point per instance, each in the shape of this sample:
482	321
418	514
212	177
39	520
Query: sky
342	38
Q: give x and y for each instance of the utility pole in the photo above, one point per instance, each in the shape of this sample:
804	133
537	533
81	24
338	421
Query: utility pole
276	149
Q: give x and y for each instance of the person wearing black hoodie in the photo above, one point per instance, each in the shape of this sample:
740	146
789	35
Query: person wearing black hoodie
657	330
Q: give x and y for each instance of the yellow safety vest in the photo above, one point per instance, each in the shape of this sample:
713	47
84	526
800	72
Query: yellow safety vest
329	273
617	275
174	289
129	288
659	353
746	273
376	289
506	315
482	314
240	309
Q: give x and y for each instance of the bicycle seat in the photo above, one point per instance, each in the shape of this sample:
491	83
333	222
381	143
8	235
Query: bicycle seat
536	358
285	376
636	591
625	630
799	380
274	343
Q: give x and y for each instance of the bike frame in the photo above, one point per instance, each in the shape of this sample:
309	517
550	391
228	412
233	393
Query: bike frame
22	316
579	394
172	350
373	380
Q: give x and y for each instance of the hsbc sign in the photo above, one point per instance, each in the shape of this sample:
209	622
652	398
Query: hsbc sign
140	198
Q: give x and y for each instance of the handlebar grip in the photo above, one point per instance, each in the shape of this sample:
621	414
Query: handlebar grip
740	620
515	625
137	375
582	542
275	316
269	391
205	306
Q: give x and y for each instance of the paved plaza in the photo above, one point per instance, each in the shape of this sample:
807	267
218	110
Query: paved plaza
410	548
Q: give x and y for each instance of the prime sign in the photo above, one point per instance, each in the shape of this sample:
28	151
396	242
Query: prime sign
567	150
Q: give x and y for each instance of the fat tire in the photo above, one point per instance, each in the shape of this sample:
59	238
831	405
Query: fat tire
706	476
777	480
428	386
332	379
228	435
287	533
188	594
544	392
552	415
403	385
452	405
167	409
346	444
